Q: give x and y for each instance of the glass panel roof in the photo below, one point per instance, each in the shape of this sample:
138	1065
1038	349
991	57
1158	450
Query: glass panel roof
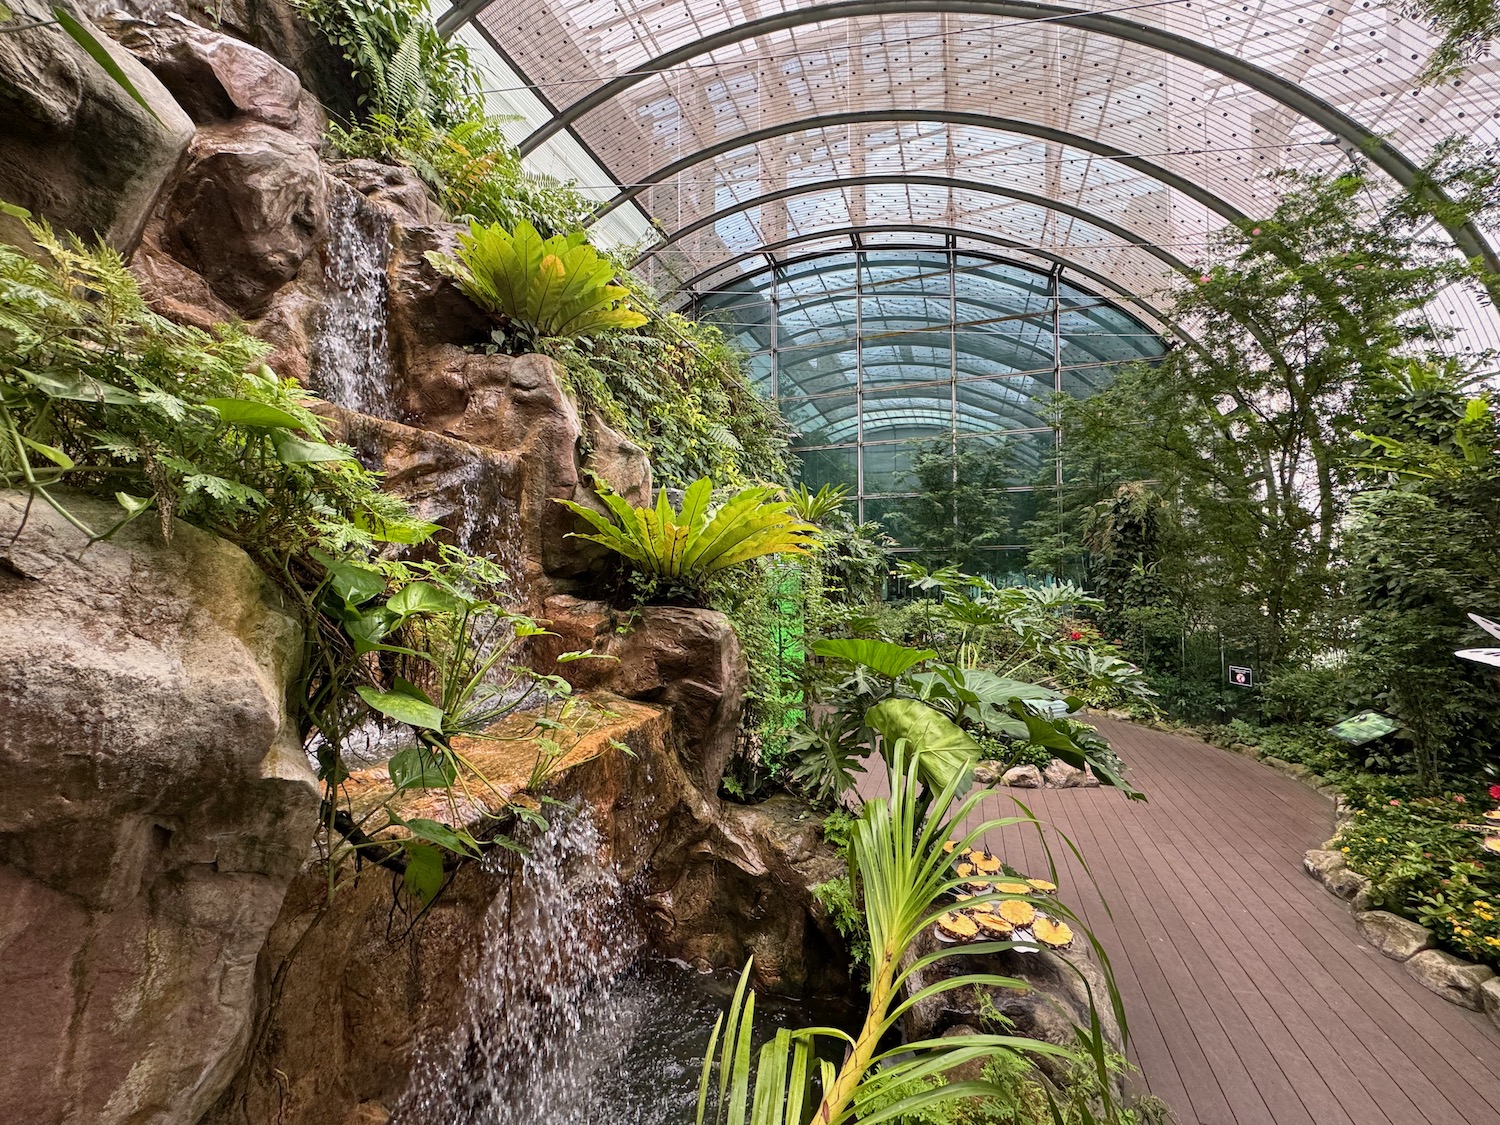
873	354
923	218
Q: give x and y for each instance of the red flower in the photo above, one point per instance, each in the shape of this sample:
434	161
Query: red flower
1075	636
1495	792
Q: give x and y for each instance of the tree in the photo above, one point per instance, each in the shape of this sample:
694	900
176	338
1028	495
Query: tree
1424	550
1244	430
961	504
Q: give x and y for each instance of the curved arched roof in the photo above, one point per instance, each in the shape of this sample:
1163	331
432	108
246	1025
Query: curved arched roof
765	146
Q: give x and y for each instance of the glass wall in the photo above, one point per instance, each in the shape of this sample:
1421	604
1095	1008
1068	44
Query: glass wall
921	378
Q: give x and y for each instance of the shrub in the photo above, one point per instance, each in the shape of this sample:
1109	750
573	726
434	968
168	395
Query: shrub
1423	867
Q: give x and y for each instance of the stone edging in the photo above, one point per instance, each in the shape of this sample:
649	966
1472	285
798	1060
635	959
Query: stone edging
1460	982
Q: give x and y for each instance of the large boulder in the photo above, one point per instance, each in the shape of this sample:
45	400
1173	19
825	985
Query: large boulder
155	803
247	212
1454	979
216	78
75	148
686	659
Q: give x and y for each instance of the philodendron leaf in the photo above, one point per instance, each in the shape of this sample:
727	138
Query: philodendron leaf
353	583
424	871
407	532
883	657
403	708
295	451
51	452
435	832
252	414
424	597
421	767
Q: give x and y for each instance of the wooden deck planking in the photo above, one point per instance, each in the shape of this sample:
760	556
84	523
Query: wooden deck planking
1251	998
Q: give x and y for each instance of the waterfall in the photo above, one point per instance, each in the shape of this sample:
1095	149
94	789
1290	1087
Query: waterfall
351	361
542	1018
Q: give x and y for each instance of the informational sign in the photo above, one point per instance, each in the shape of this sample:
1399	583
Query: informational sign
1364	727
1241	677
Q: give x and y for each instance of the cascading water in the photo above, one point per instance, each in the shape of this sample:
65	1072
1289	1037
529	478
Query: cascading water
540	1017
351	363
565	1022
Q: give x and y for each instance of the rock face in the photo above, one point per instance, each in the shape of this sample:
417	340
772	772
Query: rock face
75	148
154	806
247	212
1394	936
1454	979
686	659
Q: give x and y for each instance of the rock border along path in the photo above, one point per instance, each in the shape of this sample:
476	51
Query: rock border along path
1252	997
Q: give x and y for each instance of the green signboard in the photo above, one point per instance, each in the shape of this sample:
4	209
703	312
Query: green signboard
1364	727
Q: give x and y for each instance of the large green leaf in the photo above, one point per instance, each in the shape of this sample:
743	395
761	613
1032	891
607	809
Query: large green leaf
422	767
424	870
253	415
944	752
890	660
79	388
424	598
295	451
402	707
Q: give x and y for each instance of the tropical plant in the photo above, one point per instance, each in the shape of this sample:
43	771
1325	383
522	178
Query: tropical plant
547	287
99	392
406	70
685	545
898	863
812	507
826	751
887	660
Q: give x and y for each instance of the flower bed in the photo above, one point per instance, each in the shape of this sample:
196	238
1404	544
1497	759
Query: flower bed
1423	865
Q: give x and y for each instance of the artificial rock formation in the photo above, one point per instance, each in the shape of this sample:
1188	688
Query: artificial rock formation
351	990
154	806
75	148
686	659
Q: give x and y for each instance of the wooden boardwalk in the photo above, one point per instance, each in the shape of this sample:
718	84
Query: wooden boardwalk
1251	998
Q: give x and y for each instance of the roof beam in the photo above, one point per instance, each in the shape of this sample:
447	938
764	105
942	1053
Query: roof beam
948	183
939	116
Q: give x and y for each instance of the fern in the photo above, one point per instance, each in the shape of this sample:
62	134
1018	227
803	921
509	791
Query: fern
553	287
688	544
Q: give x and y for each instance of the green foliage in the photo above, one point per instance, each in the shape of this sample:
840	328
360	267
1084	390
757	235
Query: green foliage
405	69
1423	866
815	507
837	896
960	504
678	389
1467	27
887	660
685	545
826	752
1422	549
902	872
944	754
546	288
471	168
100	393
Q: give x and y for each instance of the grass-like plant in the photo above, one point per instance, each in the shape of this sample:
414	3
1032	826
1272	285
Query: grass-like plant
685	545
899	864
556	287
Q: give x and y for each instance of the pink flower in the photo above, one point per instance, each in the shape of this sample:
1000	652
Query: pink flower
1255	231
1495	792
1460	799
1395	801
1359	267
1204	279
